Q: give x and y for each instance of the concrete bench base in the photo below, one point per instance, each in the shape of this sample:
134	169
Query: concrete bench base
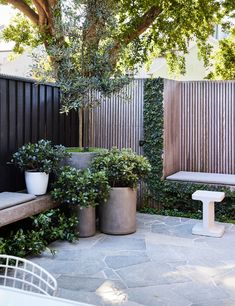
208	227
214	231
25	210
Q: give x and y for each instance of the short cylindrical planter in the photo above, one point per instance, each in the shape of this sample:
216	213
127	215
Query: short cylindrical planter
118	215
80	160
86	221
36	182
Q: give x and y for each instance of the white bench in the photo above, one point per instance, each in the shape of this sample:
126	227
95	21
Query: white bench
208	227
203	177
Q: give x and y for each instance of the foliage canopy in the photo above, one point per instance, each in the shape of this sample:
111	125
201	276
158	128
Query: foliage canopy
91	43
223	59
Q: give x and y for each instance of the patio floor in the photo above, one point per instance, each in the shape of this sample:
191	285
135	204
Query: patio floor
161	264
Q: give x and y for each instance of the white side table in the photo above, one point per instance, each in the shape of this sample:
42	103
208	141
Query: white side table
208	227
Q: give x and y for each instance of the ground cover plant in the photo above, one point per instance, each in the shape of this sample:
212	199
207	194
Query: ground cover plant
37	232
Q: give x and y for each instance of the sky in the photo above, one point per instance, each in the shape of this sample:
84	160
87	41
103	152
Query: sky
6	12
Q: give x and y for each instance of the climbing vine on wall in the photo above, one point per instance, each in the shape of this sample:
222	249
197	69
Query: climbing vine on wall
168	194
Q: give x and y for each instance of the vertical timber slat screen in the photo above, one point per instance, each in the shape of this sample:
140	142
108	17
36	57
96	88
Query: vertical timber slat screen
208	126
29	112
199	125
118	121
172	126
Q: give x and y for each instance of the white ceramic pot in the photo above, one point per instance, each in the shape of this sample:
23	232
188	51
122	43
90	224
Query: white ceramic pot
36	182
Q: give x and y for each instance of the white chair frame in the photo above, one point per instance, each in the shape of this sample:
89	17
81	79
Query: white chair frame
23	274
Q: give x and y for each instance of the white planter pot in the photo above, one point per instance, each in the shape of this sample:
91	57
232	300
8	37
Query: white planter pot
36	182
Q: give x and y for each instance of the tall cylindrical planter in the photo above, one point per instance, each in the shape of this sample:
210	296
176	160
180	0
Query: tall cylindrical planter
118	215
80	160
86	221
36	182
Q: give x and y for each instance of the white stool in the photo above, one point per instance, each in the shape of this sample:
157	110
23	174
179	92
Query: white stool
208	227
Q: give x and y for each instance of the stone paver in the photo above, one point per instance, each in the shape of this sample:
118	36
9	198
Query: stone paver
161	264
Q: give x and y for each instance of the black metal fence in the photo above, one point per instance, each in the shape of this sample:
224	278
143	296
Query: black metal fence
29	112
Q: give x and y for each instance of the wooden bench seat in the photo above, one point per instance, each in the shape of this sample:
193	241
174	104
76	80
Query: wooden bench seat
26	209
203	177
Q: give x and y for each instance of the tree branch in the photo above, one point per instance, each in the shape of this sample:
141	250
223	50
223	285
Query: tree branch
140	26
42	21
25	9
52	3
45	5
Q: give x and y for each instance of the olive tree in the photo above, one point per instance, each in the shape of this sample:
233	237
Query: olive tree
91	44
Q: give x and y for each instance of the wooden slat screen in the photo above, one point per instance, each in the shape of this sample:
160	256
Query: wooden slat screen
119	120
172	110
208	126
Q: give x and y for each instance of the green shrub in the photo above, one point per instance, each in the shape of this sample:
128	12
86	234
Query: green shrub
45	228
123	167
41	156
80	187
171	212
83	149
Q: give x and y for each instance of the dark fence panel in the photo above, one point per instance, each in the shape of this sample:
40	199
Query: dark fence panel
29	112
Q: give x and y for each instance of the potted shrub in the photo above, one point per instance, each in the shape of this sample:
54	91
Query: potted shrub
81	158
81	191
123	169
38	160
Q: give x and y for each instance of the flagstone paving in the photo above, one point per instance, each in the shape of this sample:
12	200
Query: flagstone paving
161	264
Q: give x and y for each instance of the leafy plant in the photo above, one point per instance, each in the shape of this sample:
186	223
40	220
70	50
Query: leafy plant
83	149
80	187
41	156
223	59
171	212
123	167
55	224
45	228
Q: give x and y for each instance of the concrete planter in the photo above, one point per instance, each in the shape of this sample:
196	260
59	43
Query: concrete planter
87	220
80	160
118	215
